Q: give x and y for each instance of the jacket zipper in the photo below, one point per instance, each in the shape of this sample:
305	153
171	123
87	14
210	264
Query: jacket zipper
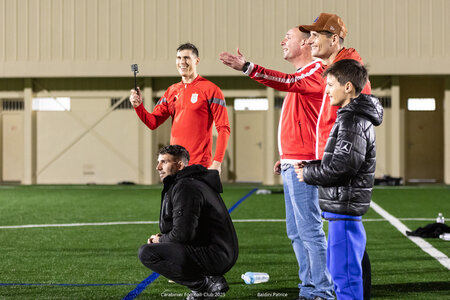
301	135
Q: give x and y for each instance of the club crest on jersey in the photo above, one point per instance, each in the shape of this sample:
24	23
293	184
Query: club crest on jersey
194	98
346	146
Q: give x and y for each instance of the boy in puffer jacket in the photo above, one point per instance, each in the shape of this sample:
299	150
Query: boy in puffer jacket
345	175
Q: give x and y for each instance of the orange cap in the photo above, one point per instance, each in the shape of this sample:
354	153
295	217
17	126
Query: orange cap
326	22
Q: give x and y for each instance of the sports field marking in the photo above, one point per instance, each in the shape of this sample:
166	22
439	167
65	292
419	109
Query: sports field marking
66	284
84	187
141	287
241	200
157	222
79	224
424	245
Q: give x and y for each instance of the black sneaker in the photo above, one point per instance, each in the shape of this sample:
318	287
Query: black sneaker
217	284
215	287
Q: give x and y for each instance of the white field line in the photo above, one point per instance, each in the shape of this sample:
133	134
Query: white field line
77	224
156	222
424	245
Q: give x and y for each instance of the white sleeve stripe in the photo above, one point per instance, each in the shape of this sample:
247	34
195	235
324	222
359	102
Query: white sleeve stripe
289	80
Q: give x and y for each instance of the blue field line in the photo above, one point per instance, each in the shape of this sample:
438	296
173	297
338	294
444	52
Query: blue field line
143	285
241	200
66	284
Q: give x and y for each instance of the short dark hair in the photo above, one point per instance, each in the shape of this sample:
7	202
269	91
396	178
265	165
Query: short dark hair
305	35
188	46
177	151
330	34
346	70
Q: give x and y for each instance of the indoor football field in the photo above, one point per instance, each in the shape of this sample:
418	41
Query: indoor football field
81	242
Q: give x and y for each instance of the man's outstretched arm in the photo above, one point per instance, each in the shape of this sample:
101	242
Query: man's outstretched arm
307	80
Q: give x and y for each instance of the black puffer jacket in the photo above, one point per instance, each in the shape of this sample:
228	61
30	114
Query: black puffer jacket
194	214
347	170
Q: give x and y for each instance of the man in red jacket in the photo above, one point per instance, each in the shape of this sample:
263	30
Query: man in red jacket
296	142
194	104
327	38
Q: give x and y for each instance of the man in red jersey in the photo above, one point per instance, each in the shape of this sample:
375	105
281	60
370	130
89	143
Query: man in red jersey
327	38
296	143
194	104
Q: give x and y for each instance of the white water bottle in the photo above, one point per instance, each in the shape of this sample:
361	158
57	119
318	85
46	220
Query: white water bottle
445	236
440	218
255	277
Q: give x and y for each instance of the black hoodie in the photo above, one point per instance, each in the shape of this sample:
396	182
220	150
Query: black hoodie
347	171
194	214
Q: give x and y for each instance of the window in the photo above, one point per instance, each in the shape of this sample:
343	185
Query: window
12	104
385	101
126	104
51	104
421	104
251	104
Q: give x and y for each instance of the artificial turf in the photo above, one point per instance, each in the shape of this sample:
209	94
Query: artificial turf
87	258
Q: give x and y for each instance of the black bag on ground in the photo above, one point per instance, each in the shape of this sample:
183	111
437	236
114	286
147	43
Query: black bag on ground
430	231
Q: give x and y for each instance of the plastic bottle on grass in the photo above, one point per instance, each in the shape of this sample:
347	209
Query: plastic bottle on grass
255	277
445	236
440	218
263	192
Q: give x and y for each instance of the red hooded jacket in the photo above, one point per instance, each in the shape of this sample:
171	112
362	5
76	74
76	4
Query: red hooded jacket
327	114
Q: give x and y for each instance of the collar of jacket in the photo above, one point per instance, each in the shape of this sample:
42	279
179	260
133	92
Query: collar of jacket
199	172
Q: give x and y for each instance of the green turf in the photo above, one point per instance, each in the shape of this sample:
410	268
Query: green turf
108	254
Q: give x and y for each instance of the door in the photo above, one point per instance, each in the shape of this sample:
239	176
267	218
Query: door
13	141
249	146
424	149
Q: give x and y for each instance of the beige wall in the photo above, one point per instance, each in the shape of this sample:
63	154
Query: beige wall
73	38
382	142
105	154
90	144
70	149
83	49
447	131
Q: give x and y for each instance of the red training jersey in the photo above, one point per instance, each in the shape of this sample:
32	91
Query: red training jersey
301	106
193	107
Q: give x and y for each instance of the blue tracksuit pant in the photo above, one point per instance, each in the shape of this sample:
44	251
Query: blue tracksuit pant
346	244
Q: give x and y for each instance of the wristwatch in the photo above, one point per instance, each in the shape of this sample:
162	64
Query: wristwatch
246	65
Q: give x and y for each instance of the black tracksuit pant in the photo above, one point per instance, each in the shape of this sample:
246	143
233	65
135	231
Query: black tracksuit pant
178	262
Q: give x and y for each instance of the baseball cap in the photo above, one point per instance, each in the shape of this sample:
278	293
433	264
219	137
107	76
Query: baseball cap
326	22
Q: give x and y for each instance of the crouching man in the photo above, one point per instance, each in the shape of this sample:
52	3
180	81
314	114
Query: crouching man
198	243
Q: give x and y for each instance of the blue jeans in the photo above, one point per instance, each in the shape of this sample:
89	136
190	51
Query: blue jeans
346	244
305	230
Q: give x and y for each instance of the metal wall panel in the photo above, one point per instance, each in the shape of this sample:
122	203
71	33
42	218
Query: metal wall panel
73	38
